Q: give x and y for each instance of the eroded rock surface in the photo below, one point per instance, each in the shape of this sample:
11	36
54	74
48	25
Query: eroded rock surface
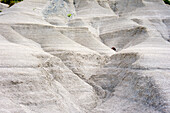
53	63
3	6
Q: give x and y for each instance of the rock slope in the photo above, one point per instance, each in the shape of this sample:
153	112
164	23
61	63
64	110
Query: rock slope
52	63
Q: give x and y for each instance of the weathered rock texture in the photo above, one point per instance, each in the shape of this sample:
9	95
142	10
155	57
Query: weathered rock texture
3	6
52	63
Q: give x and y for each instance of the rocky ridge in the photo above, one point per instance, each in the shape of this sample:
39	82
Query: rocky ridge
52	63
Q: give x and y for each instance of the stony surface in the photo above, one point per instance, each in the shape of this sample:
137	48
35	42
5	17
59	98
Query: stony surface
52	63
3	6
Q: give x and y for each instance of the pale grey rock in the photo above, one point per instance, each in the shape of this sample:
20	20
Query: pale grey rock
3	6
52	63
91	8
166	21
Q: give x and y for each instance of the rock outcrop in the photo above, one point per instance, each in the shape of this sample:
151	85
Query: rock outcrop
53	63
3	6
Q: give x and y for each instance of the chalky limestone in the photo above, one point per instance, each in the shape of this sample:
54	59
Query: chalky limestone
52	63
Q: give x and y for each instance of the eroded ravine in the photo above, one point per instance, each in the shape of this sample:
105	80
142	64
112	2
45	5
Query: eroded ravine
52	63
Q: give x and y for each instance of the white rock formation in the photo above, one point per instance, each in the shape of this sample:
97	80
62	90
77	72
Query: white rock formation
52	63
3	6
